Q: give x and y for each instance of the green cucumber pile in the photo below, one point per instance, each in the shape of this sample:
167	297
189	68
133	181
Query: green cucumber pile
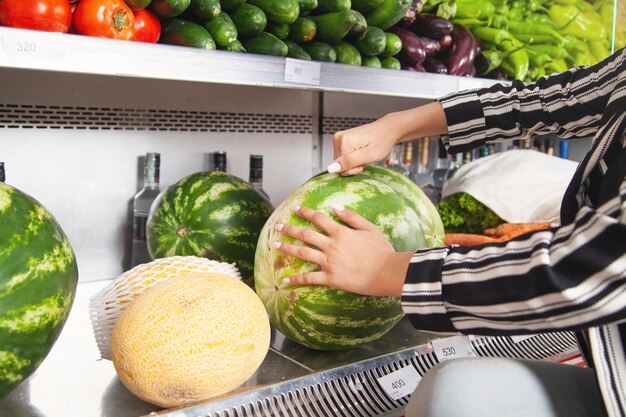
343	31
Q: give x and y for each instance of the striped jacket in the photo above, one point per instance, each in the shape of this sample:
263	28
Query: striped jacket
572	277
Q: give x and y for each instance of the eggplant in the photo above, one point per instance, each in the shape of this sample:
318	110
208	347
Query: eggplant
431	26
432	64
413	49
471	71
413	67
410	15
497	74
463	51
431	46
481	63
445	42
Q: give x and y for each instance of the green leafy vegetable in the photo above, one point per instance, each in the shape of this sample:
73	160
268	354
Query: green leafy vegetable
462	213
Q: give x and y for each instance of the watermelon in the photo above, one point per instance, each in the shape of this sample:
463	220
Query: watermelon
321	317
211	214
38	278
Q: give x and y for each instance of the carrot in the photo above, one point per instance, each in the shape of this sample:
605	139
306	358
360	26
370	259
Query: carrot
508	231
466	239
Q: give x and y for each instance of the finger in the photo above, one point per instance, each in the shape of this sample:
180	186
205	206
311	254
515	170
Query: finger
354	159
353	219
319	219
337	144
301	252
303	234
308	278
353	171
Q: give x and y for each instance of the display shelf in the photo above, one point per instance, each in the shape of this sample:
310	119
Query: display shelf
27	49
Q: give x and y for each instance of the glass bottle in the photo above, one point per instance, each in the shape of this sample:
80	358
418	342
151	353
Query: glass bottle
219	161
256	174
141	207
423	177
2	176
441	171
407	160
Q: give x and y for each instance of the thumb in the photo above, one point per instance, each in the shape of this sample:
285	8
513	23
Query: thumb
353	219
348	162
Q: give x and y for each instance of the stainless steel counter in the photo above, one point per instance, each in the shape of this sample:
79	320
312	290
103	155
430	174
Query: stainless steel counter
74	382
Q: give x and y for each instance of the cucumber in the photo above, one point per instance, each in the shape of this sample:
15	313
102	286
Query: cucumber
185	33
303	30
138	4
296	51
206	9
231	5
279	11
307	6
365	5
371	42
222	28
393	45
236	46
249	20
332	27
388	13
266	44
391	62
165	9
360	24
329	6
372	62
320	51
347	54
280	30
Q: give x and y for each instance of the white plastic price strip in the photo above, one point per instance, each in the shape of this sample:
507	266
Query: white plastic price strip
302	72
467	83
400	383
521	338
32	44
452	348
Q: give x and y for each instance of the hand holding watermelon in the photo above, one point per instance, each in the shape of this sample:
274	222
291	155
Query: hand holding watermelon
357	259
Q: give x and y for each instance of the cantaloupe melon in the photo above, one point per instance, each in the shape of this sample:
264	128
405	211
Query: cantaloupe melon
188	339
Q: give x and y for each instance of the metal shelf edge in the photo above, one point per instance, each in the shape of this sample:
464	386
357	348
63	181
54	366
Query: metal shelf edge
96	56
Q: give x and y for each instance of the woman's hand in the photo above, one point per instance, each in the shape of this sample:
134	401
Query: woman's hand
357	259
369	143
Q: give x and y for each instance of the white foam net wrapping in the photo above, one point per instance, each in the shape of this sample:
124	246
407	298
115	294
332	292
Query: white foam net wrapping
108	304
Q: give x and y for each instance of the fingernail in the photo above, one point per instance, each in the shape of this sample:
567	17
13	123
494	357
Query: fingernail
286	281
334	167
276	245
338	207
279	226
297	208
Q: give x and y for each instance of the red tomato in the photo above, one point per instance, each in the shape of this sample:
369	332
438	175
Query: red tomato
48	15
104	19
147	26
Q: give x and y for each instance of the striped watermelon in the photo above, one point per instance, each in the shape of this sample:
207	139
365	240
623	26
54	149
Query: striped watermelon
325	318
38	277
210	214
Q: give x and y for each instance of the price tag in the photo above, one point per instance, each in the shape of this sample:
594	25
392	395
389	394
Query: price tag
32	44
400	383
452	348
467	83
521	338
302	72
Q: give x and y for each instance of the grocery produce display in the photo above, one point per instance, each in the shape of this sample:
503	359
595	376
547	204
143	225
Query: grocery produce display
501	39
38	277
210	214
321	317
189	339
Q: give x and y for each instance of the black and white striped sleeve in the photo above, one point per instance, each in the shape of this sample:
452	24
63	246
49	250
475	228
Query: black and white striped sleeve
568	104
567	278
